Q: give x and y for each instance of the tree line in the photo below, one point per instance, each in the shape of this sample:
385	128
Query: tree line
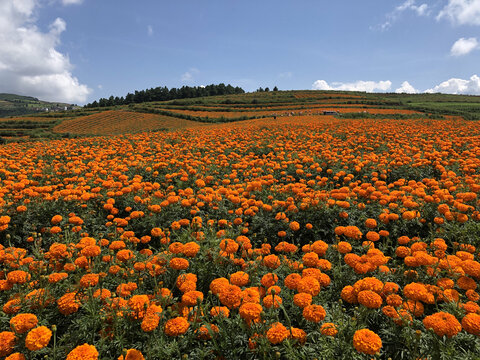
164	94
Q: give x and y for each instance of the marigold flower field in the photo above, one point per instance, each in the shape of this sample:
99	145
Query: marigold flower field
302	237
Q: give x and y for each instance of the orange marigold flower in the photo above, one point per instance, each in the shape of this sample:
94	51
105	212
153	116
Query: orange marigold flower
302	300
251	295
217	285
294	226
230	246
352	232
271	261
125	255
239	278
315	313
91	251
190	298
419	292
176	326
371	223
58	250
269	279
394	300
7	342
250	311
369	283
22	323
183	278
56	219
16	356
472	295
367	342
138	304
471	267
53	278
344	247
89	280
38	338
329	329
191	249
369	299
205	332
349	295
471	323
152	318
18	277
466	283
310	259
132	354
220	311
102	294
68	303
55	229
309	285
272	300
319	247
299	335
291	281
231	296
372	236
179	264
277	333
443	323
83	352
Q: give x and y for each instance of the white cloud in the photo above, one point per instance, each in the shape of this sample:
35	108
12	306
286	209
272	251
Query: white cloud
71	2
150	30
406	88
29	61
458	86
189	75
367	86
408	5
461	12
464	46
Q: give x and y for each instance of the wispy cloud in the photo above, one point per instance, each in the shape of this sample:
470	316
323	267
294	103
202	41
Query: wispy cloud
408	5
188	76
71	2
150	30
461	12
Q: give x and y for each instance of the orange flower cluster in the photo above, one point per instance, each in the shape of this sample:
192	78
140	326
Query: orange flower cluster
172	233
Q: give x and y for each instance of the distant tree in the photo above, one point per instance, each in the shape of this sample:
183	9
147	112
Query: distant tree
102	102
164	94
267	89
260	89
275	89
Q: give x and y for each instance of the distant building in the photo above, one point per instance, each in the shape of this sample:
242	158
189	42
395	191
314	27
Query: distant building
330	113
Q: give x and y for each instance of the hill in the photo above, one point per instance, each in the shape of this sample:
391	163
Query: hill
14	105
182	113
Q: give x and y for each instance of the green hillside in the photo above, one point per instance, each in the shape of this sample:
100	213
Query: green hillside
179	113
14	105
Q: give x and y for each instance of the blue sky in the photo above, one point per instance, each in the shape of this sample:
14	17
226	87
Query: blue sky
80	50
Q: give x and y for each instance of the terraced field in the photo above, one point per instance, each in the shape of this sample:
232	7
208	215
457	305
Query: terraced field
296	236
